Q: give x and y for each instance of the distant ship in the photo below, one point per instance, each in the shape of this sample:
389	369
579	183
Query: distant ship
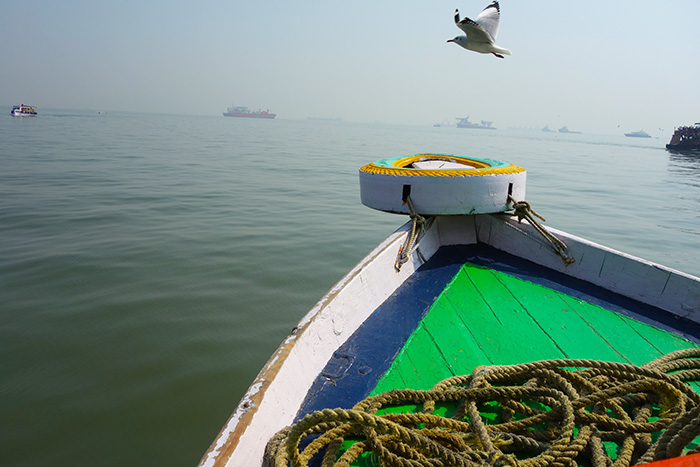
547	130
638	134
685	138
564	129
23	110
465	123
245	112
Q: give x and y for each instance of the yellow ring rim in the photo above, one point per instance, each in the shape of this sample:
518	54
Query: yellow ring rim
399	167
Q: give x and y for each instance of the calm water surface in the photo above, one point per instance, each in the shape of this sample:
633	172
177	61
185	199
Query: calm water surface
150	264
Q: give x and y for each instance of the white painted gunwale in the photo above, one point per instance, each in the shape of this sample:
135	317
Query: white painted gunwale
647	282
271	402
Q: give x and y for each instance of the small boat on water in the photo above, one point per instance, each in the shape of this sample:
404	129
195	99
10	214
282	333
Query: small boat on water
685	138
565	129
23	110
638	134
245	112
474	335
465	123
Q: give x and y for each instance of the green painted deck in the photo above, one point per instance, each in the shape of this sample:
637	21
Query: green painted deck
487	317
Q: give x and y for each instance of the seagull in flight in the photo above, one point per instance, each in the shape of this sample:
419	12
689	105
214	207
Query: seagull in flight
481	33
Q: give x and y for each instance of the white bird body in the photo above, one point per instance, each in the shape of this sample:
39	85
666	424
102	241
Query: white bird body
481	33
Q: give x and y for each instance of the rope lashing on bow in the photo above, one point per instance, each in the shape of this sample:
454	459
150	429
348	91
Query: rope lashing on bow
523	210
419	226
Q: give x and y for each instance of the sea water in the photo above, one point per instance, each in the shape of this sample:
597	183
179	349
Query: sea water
151	264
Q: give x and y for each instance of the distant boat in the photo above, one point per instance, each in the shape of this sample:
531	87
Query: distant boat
564	129
23	110
685	138
444	123
245	112
638	134
465	123
547	130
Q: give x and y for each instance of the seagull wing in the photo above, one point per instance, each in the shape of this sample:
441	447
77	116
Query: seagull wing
489	18
474	31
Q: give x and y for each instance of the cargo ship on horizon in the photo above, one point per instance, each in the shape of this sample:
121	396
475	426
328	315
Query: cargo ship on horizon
565	129
245	112
465	123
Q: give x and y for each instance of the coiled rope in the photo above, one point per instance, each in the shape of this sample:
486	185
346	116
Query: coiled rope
547	413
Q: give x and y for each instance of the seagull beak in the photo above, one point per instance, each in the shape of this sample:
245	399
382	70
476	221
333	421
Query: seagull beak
450	40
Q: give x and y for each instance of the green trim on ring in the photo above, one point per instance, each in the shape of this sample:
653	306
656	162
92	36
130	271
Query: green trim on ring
399	166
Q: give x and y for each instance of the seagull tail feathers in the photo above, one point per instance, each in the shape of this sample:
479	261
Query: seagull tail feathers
501	50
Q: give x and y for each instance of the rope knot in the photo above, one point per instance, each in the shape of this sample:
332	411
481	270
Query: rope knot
419	226
523	210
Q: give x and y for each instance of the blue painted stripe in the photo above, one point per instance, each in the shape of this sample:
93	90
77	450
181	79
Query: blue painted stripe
357	365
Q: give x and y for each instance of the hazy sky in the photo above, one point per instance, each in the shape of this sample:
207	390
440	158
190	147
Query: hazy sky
591	65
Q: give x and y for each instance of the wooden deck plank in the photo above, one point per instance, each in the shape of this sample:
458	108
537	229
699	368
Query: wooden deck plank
459	348
620	332
496	320
391	380
405	367
664	341
428	362
584	330
572	324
